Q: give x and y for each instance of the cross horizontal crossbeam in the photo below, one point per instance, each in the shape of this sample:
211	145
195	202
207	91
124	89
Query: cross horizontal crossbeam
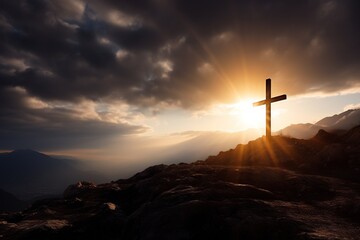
274	99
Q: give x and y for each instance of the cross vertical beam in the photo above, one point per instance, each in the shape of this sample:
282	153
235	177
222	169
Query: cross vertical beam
268	100
268	108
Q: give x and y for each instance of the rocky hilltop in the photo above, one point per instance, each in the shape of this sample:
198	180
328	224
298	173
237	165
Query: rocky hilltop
324	154
288	189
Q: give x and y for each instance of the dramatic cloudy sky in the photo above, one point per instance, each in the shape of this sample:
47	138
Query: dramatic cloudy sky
86	74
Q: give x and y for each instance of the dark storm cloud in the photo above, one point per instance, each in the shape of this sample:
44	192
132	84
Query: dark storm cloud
27	124
185	53
312	43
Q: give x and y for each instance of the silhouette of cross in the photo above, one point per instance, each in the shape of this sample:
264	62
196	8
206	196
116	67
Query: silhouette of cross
268	102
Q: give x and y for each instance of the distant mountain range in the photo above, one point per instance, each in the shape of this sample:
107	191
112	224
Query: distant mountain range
29	174
338	122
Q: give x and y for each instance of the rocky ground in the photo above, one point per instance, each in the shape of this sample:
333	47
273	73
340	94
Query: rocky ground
294	193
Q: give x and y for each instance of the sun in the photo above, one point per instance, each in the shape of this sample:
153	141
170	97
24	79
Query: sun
249	116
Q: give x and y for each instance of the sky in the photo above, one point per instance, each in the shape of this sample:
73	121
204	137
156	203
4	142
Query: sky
99	78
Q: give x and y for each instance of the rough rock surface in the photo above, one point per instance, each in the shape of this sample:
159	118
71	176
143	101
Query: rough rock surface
230	196
324	154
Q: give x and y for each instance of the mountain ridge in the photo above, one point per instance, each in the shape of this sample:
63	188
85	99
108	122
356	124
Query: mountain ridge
29	174
337	123
241	193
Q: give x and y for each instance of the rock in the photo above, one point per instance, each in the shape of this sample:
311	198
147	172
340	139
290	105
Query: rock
42	229
196	201
74	190
109	206
75	202
332	156
197	219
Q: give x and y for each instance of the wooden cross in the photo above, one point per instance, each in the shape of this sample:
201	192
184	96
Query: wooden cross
268	102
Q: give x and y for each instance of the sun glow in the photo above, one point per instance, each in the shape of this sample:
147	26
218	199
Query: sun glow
249	116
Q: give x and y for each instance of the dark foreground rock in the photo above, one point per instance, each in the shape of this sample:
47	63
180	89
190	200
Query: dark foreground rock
290	189
190	201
